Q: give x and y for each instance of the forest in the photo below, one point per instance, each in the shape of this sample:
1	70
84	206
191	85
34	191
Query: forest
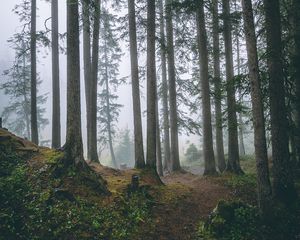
155	119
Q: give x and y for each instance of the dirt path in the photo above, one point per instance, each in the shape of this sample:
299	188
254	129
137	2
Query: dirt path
180	204
178	220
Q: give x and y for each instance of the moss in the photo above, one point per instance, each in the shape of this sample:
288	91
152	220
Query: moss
231	220
52	156
242	186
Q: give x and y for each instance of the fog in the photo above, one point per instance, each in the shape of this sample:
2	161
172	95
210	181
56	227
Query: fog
44	66
10	24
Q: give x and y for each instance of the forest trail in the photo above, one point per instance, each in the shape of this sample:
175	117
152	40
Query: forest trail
179	205
179	221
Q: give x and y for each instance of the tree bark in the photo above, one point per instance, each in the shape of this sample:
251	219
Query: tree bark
166	126
240	117
151	87
284	189
233	145
93	88
208	151
137	119
218	91
158	144
34	125
174	151
261	154
56	129
86	4
73	147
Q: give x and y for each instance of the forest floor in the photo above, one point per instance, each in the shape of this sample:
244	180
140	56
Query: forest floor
181	203
68	207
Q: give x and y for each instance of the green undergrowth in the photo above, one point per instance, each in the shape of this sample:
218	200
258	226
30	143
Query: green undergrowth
248	163
241	186
236	220
35	205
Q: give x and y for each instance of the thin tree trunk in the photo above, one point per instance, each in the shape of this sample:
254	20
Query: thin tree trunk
233	145
93	89
218	93
73	147
109	131
240	117
261	154
138	133
151	86
174	151
158	144
208	151
34	125
56	138
284	189
166	127
86	4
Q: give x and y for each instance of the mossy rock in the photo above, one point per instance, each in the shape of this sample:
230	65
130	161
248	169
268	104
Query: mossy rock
231	220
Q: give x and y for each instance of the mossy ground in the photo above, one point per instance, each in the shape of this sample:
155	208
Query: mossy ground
36	204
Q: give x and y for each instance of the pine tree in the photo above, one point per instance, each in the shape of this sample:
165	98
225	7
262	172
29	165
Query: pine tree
110	57
138	133
151	87
56	130
17	114
73	147
208	151
33	98
233	164
283	182
166	126
261	154
218	91
174	151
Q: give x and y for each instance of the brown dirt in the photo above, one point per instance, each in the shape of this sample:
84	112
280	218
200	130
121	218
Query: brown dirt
177	220
181	203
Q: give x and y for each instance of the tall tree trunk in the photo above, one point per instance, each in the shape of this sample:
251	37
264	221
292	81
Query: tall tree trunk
208	151
158	144
137	119
284	189
296	63
174	151
56	138
233	145
218	91
261	154
240	117
34	125
151	86
166	127
73	147
86	4
165	123
109	130
94	80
